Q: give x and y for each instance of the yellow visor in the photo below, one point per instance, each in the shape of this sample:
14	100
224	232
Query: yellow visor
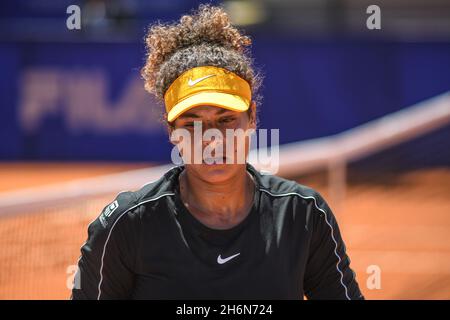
207	85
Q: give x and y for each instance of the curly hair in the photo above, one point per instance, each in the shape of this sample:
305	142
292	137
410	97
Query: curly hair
205	37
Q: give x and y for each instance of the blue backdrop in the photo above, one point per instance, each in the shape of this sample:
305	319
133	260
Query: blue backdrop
85	101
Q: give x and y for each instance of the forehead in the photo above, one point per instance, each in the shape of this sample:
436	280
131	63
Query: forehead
205	111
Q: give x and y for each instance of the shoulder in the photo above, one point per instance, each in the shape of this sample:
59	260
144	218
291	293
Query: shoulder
128	204
276	187
280	187
305	201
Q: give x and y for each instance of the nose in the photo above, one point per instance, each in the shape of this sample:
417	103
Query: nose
213	138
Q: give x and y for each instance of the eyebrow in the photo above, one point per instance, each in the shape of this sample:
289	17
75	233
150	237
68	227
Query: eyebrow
194	115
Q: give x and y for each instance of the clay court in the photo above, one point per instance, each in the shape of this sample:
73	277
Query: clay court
399	222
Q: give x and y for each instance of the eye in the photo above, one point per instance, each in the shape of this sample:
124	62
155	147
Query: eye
227	119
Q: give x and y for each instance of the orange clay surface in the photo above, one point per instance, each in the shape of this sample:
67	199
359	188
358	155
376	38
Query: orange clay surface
398	225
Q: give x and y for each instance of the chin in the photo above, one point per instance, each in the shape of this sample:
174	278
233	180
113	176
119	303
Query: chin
216	173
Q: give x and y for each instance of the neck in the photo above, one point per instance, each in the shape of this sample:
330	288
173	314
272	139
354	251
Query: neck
225	203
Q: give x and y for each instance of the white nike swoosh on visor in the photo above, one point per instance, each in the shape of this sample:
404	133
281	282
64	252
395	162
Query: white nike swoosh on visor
222	261
194	82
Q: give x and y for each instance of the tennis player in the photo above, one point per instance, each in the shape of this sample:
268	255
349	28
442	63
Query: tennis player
220	230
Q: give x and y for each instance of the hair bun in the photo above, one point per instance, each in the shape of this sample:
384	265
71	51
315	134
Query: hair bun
206	25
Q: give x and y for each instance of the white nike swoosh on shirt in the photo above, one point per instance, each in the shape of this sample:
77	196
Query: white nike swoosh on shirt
222	261
194	82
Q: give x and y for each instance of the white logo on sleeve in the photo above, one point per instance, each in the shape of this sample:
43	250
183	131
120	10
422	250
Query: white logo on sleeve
111	208
194	82
222	261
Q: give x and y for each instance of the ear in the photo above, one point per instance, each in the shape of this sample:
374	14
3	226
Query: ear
252	115
170	128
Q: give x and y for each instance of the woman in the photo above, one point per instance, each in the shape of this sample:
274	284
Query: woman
212	231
